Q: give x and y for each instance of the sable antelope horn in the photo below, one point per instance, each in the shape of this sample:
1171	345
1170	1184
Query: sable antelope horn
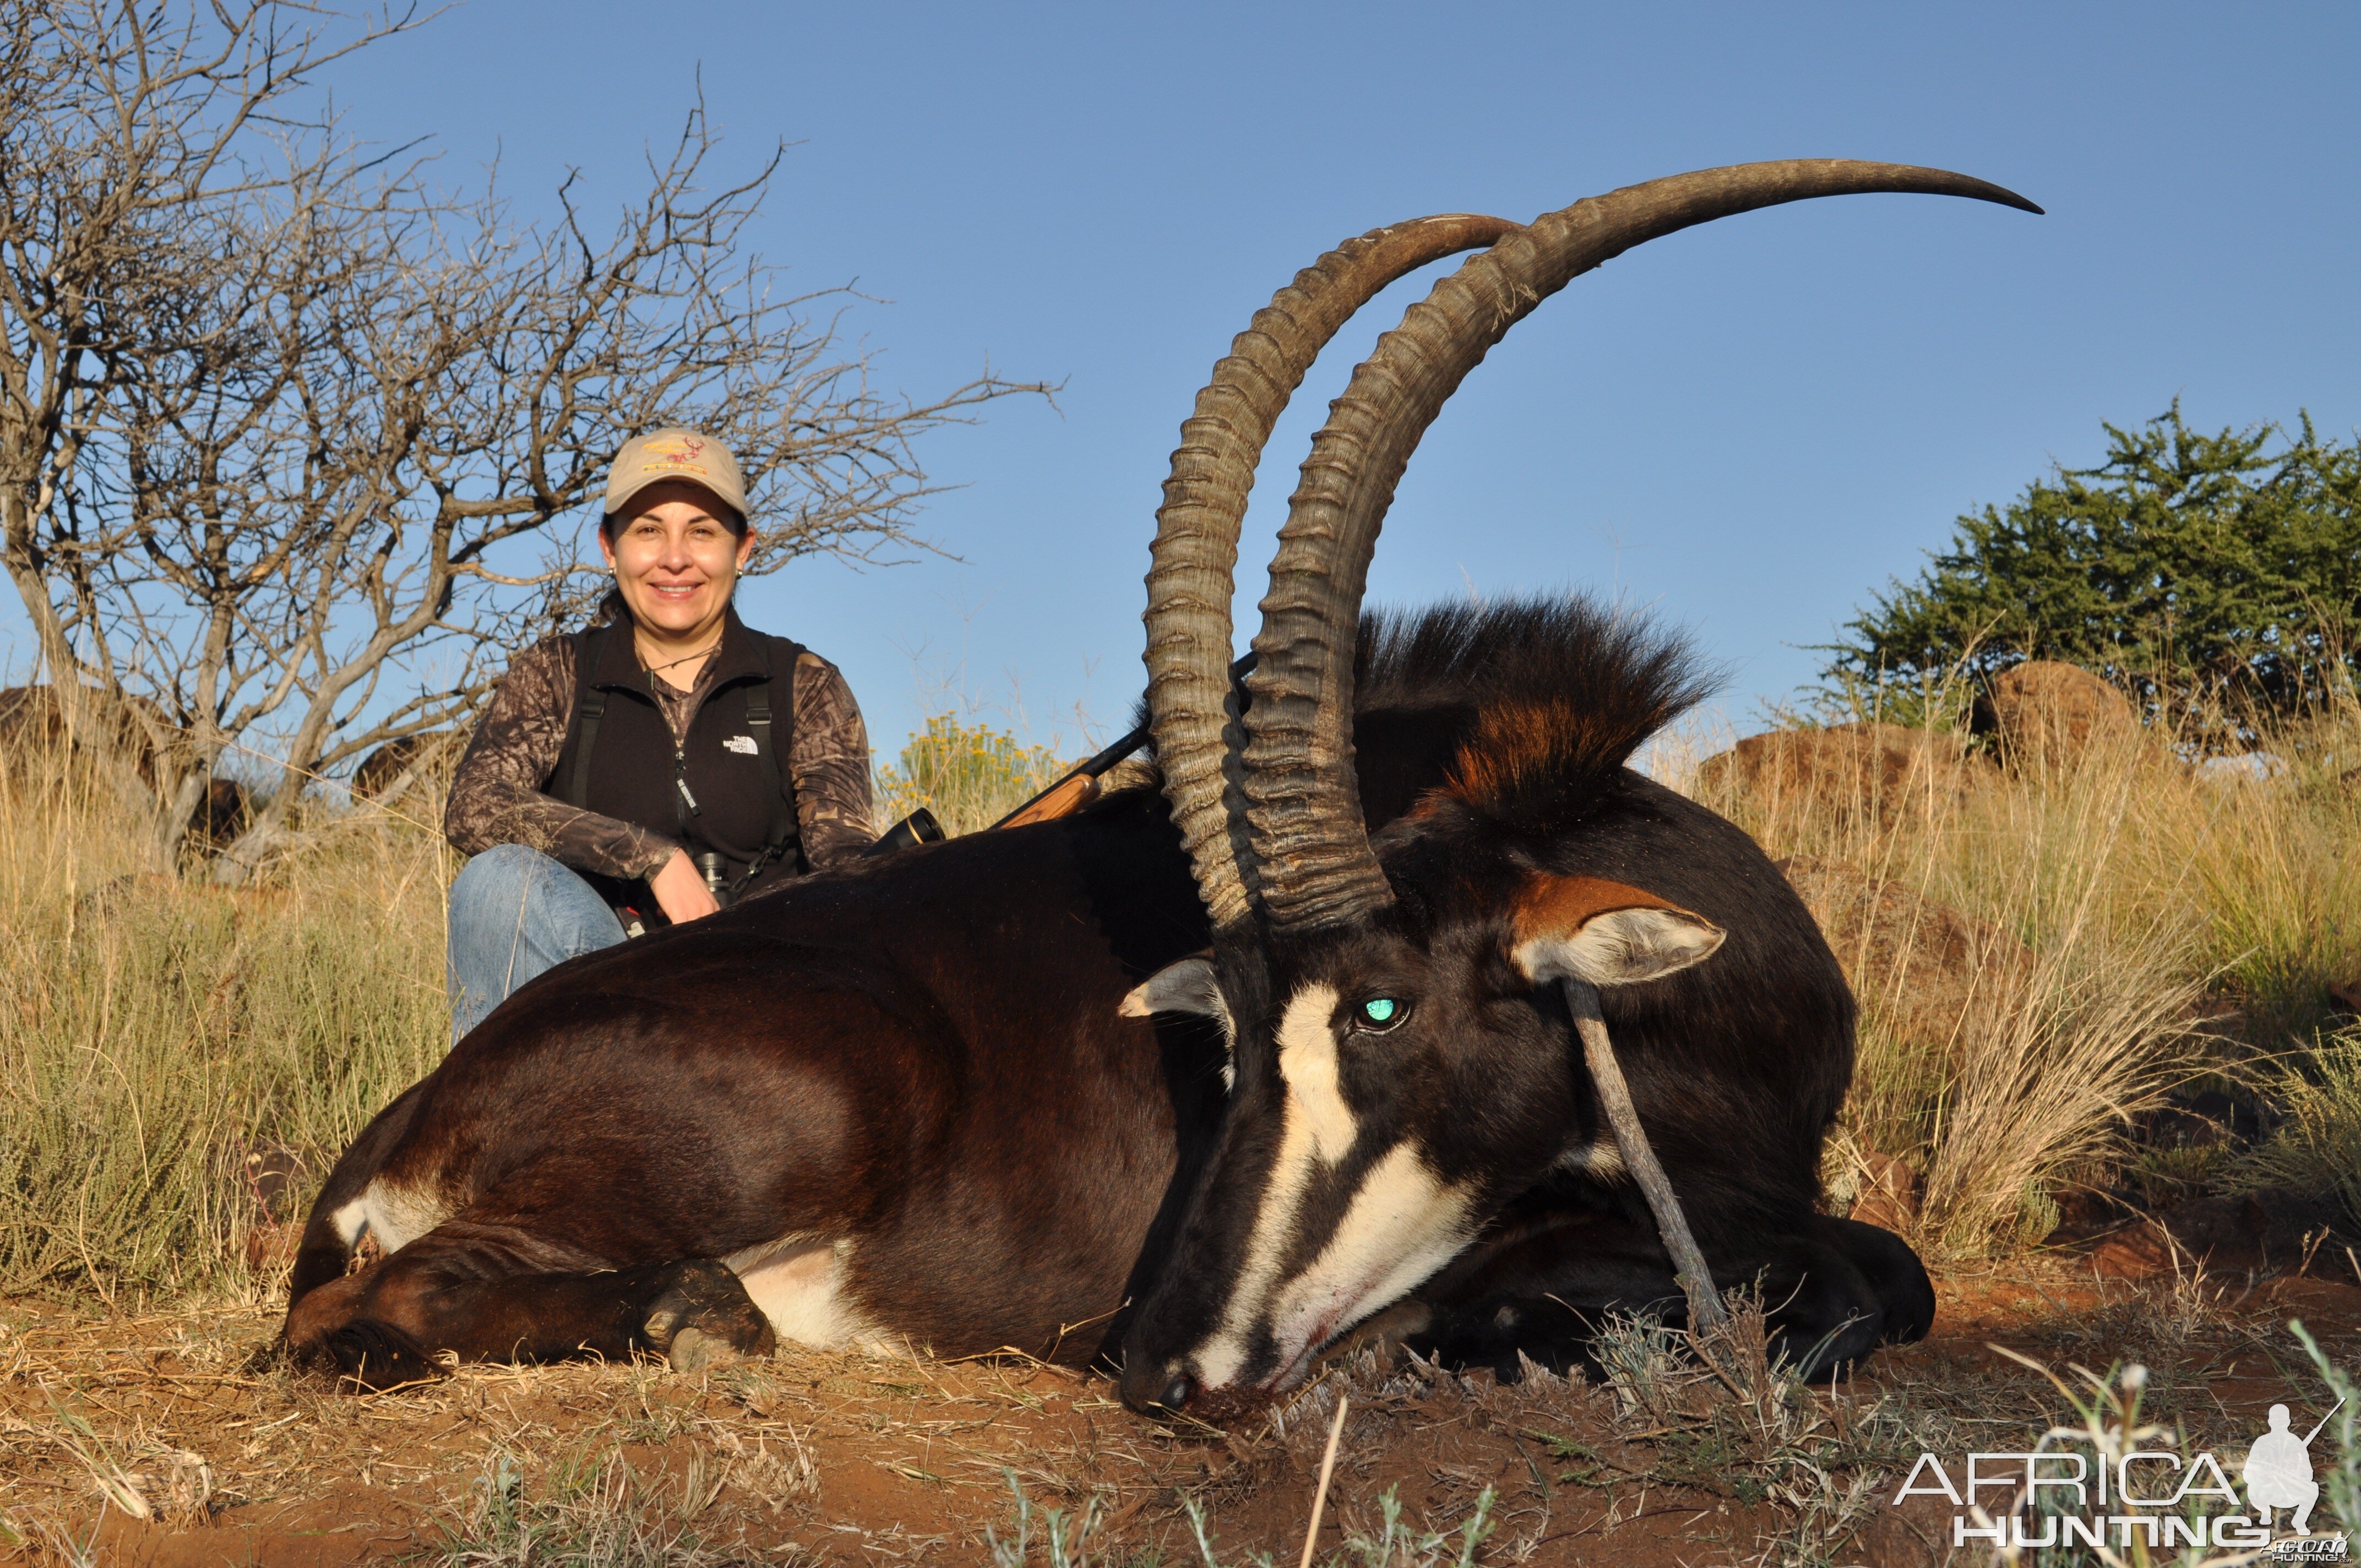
1192	581
1307	842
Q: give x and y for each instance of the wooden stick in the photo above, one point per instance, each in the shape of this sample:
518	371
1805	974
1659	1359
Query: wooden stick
1706	1310
1327	1468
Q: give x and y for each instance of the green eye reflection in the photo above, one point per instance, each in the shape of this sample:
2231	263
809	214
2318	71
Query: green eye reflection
1382	1012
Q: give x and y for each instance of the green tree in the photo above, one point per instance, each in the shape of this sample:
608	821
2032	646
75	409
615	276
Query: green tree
2192	568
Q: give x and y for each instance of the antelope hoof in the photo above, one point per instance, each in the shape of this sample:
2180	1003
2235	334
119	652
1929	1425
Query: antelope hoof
372	1357
703	1318
694	1351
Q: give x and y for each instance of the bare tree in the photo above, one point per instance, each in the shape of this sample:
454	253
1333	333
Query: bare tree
325	526
120	136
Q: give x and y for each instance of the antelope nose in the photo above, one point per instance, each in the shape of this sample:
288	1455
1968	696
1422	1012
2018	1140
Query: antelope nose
1157	1387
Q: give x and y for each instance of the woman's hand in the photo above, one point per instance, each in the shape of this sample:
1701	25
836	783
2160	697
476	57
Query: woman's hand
680	892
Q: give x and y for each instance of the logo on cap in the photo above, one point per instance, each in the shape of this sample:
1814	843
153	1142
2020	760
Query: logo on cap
686	452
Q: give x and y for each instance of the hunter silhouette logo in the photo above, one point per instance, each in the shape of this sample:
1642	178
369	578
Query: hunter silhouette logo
2057	1497
2278	1471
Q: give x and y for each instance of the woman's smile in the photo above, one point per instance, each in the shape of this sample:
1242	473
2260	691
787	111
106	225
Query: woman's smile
675	557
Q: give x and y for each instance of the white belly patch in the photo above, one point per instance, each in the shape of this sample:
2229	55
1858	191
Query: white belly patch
797	1282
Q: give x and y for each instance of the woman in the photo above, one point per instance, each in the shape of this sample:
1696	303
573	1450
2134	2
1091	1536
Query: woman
625	775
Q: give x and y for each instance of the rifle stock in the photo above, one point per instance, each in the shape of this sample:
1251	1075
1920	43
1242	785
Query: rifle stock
1068	796
1081	787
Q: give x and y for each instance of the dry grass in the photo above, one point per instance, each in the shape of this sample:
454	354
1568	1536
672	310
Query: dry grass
106	1423
2317	1145
129	1436
154	1031
2148	898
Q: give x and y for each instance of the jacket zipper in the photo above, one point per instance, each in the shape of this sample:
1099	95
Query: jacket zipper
685	807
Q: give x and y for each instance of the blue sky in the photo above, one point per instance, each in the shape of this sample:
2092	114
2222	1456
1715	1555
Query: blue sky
1748	427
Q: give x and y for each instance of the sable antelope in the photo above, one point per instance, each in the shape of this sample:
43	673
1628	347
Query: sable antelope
957	1098
1403	1078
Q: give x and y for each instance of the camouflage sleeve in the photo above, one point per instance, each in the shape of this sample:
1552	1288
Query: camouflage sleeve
830	766
496	798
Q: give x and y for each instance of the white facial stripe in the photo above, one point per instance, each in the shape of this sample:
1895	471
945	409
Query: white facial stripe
1307	1061
1403	1225
1219	1359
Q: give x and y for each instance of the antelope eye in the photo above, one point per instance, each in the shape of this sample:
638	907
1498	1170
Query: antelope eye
1379	1013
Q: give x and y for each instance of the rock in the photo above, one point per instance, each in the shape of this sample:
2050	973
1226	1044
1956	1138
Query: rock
1853	771
274	1174
223	815
270	1248
32	721
2253	1233
1921	964
274	1177
2243	768
2084	1214
382	768
178	1493
2176	1127
1890	1191
2047	714
193	898
32	718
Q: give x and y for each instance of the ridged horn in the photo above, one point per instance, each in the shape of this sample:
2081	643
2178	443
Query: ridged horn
1307	838
1191	579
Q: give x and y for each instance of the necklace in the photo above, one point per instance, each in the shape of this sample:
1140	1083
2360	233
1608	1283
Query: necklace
684	659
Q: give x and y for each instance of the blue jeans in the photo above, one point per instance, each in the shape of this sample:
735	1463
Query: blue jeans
514	913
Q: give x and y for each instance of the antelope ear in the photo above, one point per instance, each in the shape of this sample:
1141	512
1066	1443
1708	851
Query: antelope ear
1604	932
1187	986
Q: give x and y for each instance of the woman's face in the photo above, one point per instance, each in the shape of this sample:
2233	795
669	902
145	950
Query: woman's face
675	557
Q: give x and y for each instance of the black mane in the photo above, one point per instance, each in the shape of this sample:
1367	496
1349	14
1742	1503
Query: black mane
1526	709
1523	709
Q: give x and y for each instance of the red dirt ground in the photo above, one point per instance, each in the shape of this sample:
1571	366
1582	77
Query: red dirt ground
843	1459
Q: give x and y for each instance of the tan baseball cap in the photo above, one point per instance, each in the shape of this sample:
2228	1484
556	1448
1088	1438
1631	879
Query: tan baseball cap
673	453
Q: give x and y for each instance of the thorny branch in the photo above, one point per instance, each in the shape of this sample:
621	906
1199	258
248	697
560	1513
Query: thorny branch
285	429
